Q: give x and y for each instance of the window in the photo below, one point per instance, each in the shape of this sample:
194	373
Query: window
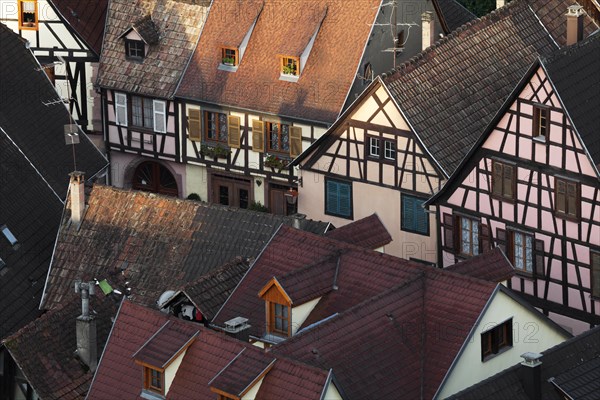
153	380
375	151
400	40
290	65
229	56
566	198
280	319
367	73
28	14
540	122
121	109
496	340
194	128
503	180
522	252
278	136
338	198
8	235
595	261
469	237
134	49
148	113
414	217
215	126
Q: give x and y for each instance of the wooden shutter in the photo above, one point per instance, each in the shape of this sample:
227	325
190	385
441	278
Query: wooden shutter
258	136
233	131
509	181
595	269
497	178
449	235
121	109
501	239
484	238
160	116
295	141
539	257
561	196
194	130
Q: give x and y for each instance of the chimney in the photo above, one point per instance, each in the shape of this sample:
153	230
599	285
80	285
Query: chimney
85	327
500	4
574	24
238	328
530	374
76	190
427	26
297	220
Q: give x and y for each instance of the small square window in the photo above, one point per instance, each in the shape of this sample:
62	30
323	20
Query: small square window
278	137
469	237
229	56
496	340
153	380
28	14
389	150
280	319
522	252
215	126
540	122
290	65
134	49
374	150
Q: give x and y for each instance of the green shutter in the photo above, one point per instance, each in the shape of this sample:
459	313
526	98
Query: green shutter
338	198
345	200
408	213
422	218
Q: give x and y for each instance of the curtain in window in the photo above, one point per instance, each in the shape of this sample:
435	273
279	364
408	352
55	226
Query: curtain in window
28	6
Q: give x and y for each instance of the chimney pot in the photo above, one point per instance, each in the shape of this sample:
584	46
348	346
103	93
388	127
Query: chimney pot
77	193
531	375
575	15
427	26
85	327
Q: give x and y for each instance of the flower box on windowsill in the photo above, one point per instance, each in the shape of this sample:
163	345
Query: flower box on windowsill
274	162
214	151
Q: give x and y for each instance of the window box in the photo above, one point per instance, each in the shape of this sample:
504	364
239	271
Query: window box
273	161
214	151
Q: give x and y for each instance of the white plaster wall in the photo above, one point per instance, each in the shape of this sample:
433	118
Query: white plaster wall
251	395
196	181
531	332
300	313
332	393
171	371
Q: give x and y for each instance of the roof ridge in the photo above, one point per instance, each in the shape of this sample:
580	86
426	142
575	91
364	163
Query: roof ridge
572	49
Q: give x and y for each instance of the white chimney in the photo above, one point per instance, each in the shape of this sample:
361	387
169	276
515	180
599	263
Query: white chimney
85	327
574	24
427	26
500	4
76	189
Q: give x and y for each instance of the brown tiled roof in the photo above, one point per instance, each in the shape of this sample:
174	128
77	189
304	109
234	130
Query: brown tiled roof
552	15
492	266
179	24
283	28
393	339
209	292
147	29
242	372
451	91
86	17
310	282
166	343
45	349
452	14
118	375
368	232
153	242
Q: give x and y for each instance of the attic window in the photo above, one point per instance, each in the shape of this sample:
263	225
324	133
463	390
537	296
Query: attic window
154	380
28	15
230	56
540	122
134	49
9	235
496	340
290	66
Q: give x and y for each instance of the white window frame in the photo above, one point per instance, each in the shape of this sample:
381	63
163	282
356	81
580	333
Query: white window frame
157	105
121	105
374	146
391	150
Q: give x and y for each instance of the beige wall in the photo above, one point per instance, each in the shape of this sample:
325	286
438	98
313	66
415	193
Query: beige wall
531	332
300	313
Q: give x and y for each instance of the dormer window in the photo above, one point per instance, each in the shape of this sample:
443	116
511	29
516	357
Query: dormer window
279	309
229	56
134	49
154	380
28	14
280	319
290	66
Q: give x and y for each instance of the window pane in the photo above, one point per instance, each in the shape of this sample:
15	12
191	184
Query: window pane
211	126
222	127
136	111
148	114
529	253
285	137
274	137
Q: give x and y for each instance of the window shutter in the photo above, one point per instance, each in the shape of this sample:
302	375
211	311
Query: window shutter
344	200
539	257
121	109
561	194
508	180
258	135
194	124
233	131
595	265
160	120
295	141
332	197
497	178
422	218
501	239
484	239
408	213
449	235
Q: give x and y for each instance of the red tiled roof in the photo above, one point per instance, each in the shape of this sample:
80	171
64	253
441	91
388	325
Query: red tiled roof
165	344
368	232
310	282
86	17
244	371
492	266
401	341
282	28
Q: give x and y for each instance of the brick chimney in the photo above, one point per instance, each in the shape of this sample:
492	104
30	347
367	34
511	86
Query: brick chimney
85	327
427	27
530	374
76	190
575	15
500	4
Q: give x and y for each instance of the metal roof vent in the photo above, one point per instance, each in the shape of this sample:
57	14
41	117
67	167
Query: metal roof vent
238	328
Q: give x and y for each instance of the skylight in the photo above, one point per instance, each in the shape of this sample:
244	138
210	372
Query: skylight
9	235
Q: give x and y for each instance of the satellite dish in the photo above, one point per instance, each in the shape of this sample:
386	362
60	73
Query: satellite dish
162	300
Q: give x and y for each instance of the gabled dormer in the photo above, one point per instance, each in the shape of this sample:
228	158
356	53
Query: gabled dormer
139	37
161	356
242	377
232	53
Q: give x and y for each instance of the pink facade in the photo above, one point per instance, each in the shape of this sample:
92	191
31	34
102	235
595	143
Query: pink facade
532	189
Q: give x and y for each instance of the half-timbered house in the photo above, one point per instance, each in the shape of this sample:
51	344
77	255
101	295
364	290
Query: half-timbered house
531	186
408	131
66	38
260	91
147	45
